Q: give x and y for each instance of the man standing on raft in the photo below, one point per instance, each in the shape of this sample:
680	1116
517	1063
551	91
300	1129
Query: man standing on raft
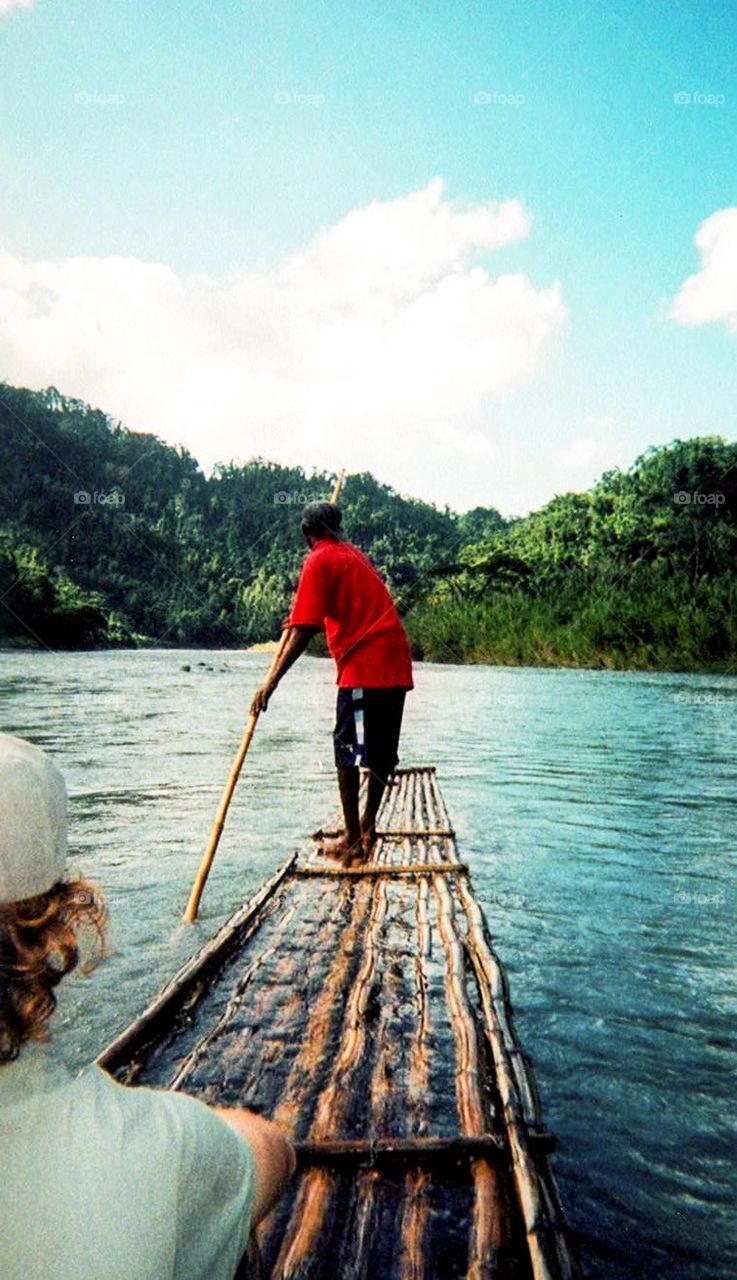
339	590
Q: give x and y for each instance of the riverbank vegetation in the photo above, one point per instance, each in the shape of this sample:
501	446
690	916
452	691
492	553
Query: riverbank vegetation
112	537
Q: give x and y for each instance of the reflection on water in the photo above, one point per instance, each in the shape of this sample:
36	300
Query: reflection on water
597	810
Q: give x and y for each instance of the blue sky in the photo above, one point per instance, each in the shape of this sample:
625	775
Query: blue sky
219	140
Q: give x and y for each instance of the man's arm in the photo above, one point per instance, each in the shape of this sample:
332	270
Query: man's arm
273	1154
298	639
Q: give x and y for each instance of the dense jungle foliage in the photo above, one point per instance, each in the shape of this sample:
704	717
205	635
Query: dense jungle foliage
111	537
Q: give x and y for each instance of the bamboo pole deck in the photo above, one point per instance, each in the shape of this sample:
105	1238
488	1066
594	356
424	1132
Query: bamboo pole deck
366	1010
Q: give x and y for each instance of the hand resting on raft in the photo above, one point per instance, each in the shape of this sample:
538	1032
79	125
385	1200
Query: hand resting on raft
273	1154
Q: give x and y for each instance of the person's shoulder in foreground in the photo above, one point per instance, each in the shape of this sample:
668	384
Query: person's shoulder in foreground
100	1179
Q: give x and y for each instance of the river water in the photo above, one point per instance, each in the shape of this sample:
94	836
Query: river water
598	812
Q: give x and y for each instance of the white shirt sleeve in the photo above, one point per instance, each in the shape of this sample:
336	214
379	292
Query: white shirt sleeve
217	1184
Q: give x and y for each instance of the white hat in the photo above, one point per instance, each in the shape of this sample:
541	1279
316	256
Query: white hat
33	820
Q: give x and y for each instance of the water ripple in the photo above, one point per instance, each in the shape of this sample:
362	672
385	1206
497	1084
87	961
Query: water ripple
597	810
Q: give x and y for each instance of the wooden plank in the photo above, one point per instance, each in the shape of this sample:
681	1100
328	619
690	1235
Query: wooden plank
338	1150
316	1189
382	1151
386	870
415	1221
300	1086
549	1254
490	1227
390	833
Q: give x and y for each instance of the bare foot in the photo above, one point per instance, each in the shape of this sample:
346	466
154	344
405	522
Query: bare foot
368	842
341	849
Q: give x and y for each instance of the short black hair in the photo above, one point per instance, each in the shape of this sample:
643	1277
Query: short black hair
321	518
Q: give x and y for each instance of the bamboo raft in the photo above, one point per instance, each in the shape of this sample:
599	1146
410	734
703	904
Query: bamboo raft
365	1010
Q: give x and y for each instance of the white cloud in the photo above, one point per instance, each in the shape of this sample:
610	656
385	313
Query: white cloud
711	294
380	345
585	457
7	5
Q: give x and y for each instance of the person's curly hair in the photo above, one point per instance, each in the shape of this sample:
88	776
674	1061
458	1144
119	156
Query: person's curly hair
38	947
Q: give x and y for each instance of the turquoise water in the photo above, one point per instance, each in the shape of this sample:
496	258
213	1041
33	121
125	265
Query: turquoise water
598	812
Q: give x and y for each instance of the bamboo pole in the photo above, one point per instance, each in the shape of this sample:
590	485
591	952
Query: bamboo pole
348	1151
393	833
208	858
302	1083
383	869
385	1151
416	1209
313	1196
490	1225
381	1110
549	1257
347	993
203	872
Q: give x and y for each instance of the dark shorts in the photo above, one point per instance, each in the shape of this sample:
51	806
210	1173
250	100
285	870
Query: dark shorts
367	726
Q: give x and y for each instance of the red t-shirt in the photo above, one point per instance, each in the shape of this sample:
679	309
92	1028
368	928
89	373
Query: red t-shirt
340	590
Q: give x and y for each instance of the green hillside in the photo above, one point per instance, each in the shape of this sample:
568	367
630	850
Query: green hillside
109	536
